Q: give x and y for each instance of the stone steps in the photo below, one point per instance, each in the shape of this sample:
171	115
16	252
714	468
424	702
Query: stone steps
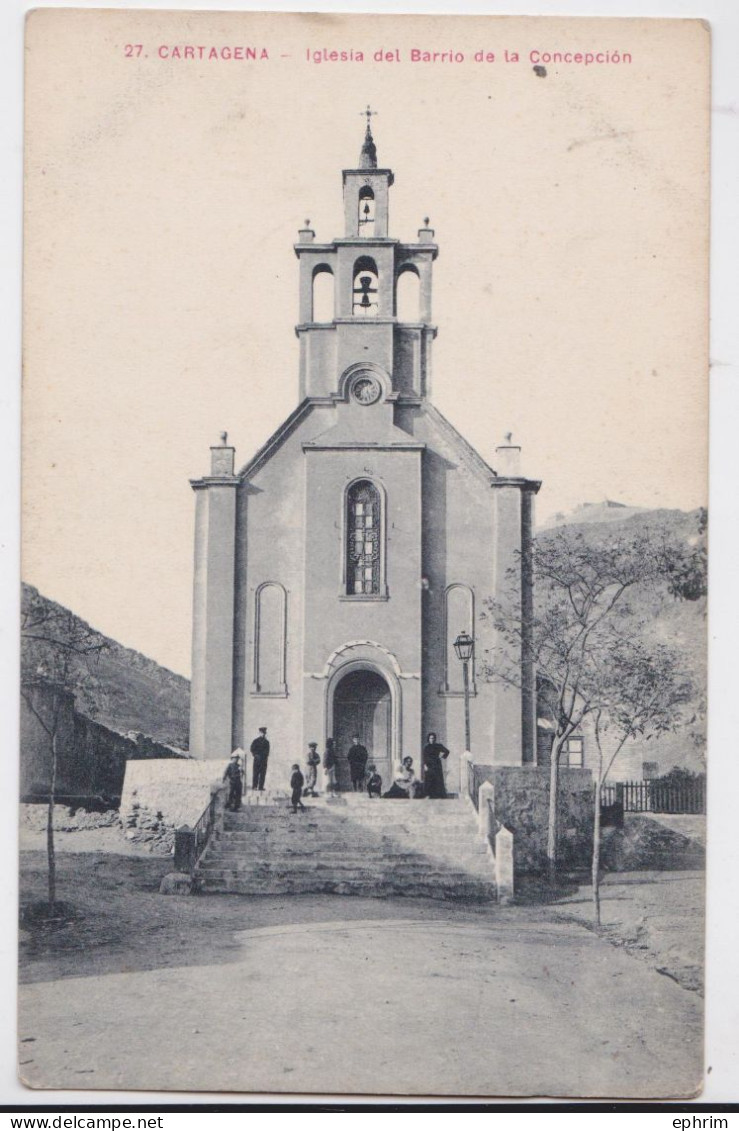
303	821
298	861
357	831
396	853
361	846
444	886
350	870
475	892
358	836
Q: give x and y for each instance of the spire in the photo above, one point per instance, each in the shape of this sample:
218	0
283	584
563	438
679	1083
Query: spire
368	156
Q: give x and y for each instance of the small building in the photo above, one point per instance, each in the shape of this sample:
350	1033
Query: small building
91	757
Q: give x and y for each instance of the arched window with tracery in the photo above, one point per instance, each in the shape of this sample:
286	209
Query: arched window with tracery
366	218
365	288
363	539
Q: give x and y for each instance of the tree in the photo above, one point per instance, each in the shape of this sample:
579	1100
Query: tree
580	603
59	653
686	567
641	694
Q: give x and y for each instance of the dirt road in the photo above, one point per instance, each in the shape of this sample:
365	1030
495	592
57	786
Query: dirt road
436	1002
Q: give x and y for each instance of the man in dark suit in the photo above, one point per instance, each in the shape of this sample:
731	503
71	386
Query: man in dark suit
260	752
357	759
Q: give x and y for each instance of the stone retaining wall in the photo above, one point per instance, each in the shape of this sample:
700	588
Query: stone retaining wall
654	842
159	795
91	760
520	802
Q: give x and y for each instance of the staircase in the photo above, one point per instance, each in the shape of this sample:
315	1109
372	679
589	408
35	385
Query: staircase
355	845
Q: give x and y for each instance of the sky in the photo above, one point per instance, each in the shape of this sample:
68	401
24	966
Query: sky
163	200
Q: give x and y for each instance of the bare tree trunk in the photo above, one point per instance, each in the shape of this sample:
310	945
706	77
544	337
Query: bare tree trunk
50	825
600	782
552	822
595	871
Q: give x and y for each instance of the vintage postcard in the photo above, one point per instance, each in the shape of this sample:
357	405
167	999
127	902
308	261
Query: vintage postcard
364	555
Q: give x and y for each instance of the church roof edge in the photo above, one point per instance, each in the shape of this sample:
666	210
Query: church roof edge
277	437
457	438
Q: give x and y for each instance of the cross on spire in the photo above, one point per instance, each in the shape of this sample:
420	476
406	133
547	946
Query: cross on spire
368	156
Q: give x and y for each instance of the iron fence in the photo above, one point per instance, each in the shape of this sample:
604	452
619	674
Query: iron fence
657	796
203	827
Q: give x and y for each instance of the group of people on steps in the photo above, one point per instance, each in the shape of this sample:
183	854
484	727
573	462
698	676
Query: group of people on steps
363	774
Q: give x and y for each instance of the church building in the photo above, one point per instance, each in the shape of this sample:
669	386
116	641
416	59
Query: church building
335	569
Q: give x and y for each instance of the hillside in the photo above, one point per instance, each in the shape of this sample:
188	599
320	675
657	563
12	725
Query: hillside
605	511
139	694
654	614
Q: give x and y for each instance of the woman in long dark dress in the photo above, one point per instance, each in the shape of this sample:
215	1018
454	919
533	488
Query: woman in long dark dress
433	771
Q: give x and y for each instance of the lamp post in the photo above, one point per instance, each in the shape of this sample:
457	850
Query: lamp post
464	646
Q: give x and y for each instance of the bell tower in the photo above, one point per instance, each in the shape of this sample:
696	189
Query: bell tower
367	193
378	290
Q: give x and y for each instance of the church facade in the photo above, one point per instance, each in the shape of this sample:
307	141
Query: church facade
335	569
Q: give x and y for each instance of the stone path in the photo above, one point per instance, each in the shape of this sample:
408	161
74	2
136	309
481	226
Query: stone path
382	1005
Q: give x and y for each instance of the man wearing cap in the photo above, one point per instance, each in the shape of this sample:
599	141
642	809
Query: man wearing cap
312	763
235	781
357	758
260	751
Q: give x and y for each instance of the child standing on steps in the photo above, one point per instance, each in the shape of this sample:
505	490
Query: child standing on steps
374	783
297	781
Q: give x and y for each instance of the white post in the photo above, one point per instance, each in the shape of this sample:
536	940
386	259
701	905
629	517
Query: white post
464	762
504	864
485	794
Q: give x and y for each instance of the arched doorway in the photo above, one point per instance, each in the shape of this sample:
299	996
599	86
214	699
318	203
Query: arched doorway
363	706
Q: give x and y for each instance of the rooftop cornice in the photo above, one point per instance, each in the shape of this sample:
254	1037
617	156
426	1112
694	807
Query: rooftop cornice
322	247
419	248
363	446
518	481
214	481
422	327
368	173
365	241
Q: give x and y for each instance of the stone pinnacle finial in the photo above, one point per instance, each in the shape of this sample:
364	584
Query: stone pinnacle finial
224	438
508	437
426	221
368	156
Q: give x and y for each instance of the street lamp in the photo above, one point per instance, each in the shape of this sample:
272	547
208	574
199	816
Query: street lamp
464	646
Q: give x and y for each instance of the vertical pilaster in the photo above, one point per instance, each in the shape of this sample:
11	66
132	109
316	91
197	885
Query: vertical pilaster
425	236
528	670
306	236
507	736
211	694
515	708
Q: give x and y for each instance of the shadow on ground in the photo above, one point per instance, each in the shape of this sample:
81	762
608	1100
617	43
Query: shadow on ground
120	922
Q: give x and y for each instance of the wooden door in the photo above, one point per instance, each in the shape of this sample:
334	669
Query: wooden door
362	706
